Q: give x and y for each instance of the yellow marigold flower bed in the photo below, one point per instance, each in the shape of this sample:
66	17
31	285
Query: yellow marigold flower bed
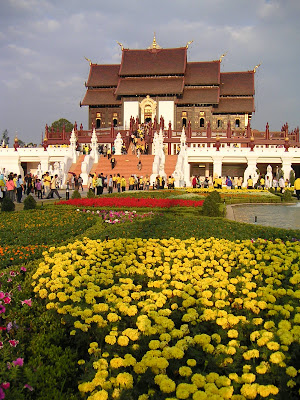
179	319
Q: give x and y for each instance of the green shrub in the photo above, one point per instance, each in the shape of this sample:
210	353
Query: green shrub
287	196
7	204
212	205
90	194
29	203
215	196
76	194
292	177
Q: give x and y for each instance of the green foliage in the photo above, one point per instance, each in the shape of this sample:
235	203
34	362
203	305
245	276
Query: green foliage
58	125
4	138
90	194
292	177
287	196
76	194
212	205
7	204
29	203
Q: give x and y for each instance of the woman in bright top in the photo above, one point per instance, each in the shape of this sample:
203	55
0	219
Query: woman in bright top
10	187
239	182
249	183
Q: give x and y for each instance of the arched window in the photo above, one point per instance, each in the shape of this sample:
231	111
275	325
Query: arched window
237	123
98	123
219	123
115	121
202	121
184	122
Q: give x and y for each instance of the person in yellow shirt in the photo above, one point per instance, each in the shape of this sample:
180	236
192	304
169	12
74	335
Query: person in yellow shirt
118	183
297	188
131	182
262	183
114	181
239	182
249	183
47	181
123	184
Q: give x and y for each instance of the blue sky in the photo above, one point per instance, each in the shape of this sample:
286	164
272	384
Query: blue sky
43	44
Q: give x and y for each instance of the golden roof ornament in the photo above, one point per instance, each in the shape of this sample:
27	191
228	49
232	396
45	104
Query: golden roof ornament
256	66
87	59
154	44
120	44
222	56
188	43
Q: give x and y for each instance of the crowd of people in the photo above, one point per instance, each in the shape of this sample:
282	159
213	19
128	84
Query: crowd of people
15	187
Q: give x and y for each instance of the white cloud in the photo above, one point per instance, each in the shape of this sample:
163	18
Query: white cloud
46	25
24	51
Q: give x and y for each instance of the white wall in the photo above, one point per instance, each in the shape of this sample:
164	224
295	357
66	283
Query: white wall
166	109
131	109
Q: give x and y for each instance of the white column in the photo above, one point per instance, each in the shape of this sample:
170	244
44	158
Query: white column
217	165
286	166
250	170
207	169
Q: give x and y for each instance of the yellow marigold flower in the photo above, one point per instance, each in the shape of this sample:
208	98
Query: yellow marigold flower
185	371
248	378
123	340
291	383
199	395
154	344
199	380
277	357
251	354
43	293
232	333
273	346
81	362
249	390
112	317
125	380
166	384
226	392
109	339
191	362
101	395
291	371
116	362
184	390
263	368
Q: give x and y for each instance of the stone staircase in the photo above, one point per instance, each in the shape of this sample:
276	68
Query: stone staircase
170	164
76	167
126	165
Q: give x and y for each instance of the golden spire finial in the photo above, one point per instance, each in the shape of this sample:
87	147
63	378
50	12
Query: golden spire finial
120	44
222	56
188	43
256	66
154	44
87	59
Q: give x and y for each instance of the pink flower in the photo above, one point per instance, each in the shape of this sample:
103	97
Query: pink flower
26	386
5	385
13	342
2	394
19	361
2	309
7	300
2	295
28	302
12	273
1	345
23	269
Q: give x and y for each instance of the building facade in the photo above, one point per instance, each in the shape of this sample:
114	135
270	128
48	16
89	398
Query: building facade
155	83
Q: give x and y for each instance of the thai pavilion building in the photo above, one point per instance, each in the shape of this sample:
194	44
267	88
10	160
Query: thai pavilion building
155	83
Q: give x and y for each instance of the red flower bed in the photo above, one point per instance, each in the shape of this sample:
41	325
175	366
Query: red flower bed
131	202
